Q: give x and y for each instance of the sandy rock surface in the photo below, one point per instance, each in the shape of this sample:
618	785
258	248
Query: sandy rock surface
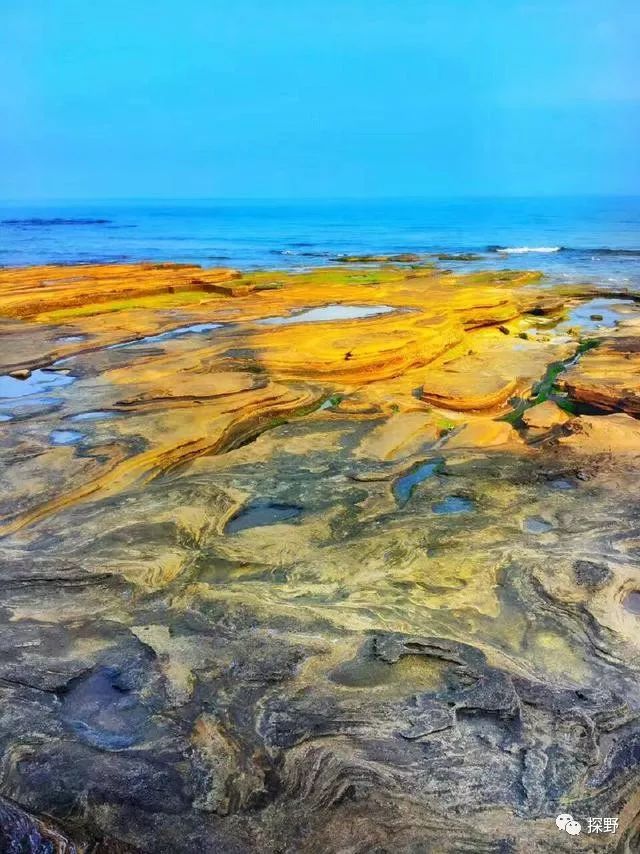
315	562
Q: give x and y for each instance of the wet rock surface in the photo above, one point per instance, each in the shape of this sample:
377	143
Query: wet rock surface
275	600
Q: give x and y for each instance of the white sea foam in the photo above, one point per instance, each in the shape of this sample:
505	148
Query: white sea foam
522	250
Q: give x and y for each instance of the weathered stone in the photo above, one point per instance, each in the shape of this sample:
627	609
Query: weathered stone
483	433
403	433
607	377
608	434
590	574
545	416
467	390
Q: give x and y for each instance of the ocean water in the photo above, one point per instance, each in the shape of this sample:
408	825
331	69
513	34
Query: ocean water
589	239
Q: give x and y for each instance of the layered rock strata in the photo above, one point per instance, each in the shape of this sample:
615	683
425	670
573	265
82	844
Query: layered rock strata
336	561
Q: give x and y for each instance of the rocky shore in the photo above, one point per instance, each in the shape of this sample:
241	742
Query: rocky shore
337	561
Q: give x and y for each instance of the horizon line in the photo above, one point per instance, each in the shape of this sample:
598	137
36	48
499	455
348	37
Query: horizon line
305	199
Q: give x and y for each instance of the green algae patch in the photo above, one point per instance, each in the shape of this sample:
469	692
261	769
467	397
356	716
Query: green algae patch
156	301
547	389
410	673
500	277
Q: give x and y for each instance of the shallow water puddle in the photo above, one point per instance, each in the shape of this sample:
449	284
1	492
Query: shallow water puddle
632	602
38	382
453	504
335	311
95	415
536	525
103	711
169	335
598	313
562	484
27	407
72	339
260	513
404	485
65	437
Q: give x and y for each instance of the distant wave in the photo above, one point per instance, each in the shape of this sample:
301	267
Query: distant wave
599	250
299	254
83	258
630	253
523	250
38	222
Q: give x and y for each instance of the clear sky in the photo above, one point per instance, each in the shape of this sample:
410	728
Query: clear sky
306	98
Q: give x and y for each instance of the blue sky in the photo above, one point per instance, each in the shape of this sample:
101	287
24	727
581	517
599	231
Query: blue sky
318	98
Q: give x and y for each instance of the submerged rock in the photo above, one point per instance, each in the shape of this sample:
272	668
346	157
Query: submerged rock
459	256
402	258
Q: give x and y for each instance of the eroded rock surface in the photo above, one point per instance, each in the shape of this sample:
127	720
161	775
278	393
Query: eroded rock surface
608	377
545	416
274	595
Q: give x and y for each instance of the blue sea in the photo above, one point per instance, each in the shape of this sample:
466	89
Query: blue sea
587	239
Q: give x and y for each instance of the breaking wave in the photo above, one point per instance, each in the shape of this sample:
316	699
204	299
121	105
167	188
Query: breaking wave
523	250
594	251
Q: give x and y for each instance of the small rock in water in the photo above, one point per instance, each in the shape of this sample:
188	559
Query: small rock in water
22	374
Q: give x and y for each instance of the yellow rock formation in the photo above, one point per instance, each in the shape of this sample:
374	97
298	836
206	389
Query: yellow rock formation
545	415
608	377
157	364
